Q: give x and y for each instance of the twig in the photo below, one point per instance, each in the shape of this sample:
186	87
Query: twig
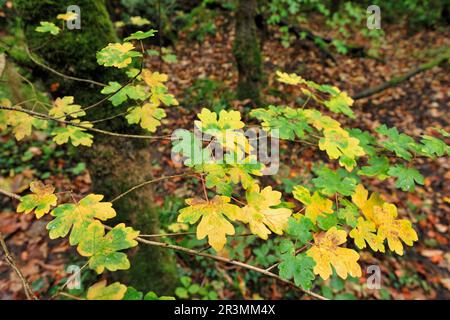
10	260
148	182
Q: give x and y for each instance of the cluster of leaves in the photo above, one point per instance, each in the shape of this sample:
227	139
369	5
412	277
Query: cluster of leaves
82	221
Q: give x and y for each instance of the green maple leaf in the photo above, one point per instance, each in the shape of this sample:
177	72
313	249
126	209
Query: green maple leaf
399	143
190	147
48	27
141	35
349	213
379	167
300	229
432	146
288	121
77	217
327	221
330	182
133	92
102	249
406	177
76	135
299	267
366	140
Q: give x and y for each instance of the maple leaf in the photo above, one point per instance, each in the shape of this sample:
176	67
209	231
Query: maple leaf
64	106
330	182
288	121
399	143
100	291
432	146
102	249
22	124
67	16
117	55
341	103
148	116
139	21
140	35
393	229
260	215
365	232
120	95
379	167
223	129
50	27
40	201
190	147
289	78
327	253
316	205
348	212
406	177
76	135
300	229
339	144
213	223
159	94
321	122
366	205
366	140
154	79
76	217
298	267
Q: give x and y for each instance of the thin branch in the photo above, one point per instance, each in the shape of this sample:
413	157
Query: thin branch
114	134
59	73
10	194
148	182
10	260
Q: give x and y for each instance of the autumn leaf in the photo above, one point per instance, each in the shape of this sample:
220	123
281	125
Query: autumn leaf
64	106
117	55
406	177
100	291
330	182
148	116
76	217
341	103
40	201
299	267
360	198
326	253
316	205
399	143
292	78
76	135
160	95
67	16
260	215
154	79
213	223
365	231
102	249
393	229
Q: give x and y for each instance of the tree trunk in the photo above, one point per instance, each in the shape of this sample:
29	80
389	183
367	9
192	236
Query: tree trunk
247	51
115	164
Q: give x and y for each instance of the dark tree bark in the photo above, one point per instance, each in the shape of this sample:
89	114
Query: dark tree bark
116	164
247	51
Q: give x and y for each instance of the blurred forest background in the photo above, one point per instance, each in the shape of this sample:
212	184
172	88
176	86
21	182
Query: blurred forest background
224	54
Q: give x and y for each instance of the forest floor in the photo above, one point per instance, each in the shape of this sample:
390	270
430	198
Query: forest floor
422	102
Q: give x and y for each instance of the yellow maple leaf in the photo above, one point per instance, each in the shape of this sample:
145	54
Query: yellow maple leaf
365	232
41	199
213	224
366	205
154	79
67	16
393	229
100	291
316	205
327	253
259	214
63	106
289	78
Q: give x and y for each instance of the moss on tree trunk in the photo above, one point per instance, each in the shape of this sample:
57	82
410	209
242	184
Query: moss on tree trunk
116	164
247	51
